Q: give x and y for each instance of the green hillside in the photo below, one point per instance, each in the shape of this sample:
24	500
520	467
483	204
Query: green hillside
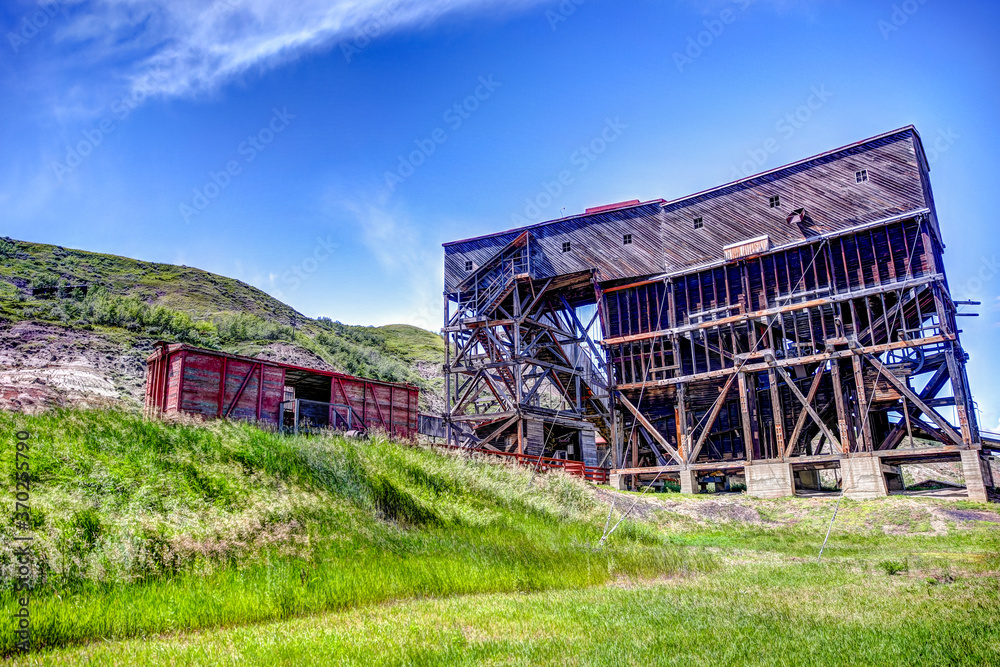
144	527
198	293
220	543
129	304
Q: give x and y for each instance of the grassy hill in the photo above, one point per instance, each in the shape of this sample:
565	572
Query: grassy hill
130	304
219	543
198	293
145	527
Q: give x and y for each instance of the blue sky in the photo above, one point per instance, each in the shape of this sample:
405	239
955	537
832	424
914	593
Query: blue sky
315	149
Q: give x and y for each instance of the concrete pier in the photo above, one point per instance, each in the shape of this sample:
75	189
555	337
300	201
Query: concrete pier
770	480
862	478
689	481
978	475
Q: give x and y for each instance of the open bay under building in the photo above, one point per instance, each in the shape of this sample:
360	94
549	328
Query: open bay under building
765	330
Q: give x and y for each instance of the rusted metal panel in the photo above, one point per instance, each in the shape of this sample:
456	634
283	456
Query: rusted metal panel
748	248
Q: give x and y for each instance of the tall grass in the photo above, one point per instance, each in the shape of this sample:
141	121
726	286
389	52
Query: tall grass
144	527
757	614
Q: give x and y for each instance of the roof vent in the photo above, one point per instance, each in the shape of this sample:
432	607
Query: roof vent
611	207
748	248
797	216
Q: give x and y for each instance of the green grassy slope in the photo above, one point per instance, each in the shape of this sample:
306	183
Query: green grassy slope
305	550
836	614
143	527
193	291
133	303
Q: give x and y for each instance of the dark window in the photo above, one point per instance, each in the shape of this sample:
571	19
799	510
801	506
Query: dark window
861	176
775	201
698	223
626	239
566	246
468	265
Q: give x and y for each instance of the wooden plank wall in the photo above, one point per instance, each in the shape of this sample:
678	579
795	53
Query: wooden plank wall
202	385
389	407
705	312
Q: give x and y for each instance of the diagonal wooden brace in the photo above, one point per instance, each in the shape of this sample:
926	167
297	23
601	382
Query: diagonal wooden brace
810	409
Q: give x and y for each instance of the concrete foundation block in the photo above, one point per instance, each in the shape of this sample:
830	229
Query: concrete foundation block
769	480
978	475
616	482
862	478
689	481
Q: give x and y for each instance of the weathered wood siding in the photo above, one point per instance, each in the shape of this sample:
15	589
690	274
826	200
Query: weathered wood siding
214	384
663	234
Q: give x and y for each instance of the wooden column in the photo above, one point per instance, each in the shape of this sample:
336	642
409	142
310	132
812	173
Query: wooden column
846	434
684	443
777	415
748	415
863	405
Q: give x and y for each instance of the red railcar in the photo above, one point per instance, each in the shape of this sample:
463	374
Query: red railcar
185	379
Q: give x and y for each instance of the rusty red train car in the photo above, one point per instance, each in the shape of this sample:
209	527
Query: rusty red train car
185	379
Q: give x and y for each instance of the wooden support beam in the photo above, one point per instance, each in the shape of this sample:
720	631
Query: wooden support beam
863	406
748	415
946	428
501	429
846	435
650	428
807	407
777	415
930	390
958	385
710	420
810	397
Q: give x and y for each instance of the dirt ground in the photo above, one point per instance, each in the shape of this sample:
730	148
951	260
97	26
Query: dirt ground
45	364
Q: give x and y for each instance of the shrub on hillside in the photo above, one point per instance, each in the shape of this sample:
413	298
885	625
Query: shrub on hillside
362	360
239	327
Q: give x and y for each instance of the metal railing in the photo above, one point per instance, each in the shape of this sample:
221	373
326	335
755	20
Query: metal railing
594	474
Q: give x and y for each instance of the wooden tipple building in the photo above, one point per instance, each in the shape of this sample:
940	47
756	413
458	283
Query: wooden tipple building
789	322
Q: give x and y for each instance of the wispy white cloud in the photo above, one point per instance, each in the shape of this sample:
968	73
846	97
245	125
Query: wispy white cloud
196	47
398	246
